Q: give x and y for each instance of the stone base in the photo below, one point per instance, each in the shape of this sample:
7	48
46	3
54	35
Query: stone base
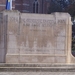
37	73
34	58
37	68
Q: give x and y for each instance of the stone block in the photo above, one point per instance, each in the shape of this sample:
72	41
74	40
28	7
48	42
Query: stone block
36	59
61	45
13	22
12	44
12	37
60	52
2	44
2	55
13	51
14	58
61	39
38	38
60	59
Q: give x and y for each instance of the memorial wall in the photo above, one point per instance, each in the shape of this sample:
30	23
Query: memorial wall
38	38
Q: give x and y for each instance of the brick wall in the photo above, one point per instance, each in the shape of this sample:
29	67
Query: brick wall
26	5
3	4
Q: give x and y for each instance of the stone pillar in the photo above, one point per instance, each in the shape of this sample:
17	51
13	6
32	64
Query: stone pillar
3	32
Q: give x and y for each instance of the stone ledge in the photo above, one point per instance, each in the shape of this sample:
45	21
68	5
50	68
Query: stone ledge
36	68
18	69
36	65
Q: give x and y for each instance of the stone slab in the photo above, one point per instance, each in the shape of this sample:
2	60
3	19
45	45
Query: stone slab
37	59
37	68
38	38
12	58
37	73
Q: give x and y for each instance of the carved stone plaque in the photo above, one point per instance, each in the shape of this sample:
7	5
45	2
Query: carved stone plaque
38	38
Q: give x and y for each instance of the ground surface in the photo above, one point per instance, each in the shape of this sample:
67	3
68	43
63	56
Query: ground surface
37	73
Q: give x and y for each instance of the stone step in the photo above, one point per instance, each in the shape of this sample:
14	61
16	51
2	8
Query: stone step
36	68
30	69
38	65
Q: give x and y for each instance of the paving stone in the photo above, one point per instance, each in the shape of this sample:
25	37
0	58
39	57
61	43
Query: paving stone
37	73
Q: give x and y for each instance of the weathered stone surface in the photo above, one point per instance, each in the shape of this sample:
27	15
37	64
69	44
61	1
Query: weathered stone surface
37	59
12	58
42	34
2	37
37	69
37	73
38	38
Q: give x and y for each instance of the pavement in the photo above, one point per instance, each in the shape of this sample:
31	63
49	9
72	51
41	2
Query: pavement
37	73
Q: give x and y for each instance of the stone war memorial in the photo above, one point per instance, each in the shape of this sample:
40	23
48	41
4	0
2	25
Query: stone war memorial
35	38
36	43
